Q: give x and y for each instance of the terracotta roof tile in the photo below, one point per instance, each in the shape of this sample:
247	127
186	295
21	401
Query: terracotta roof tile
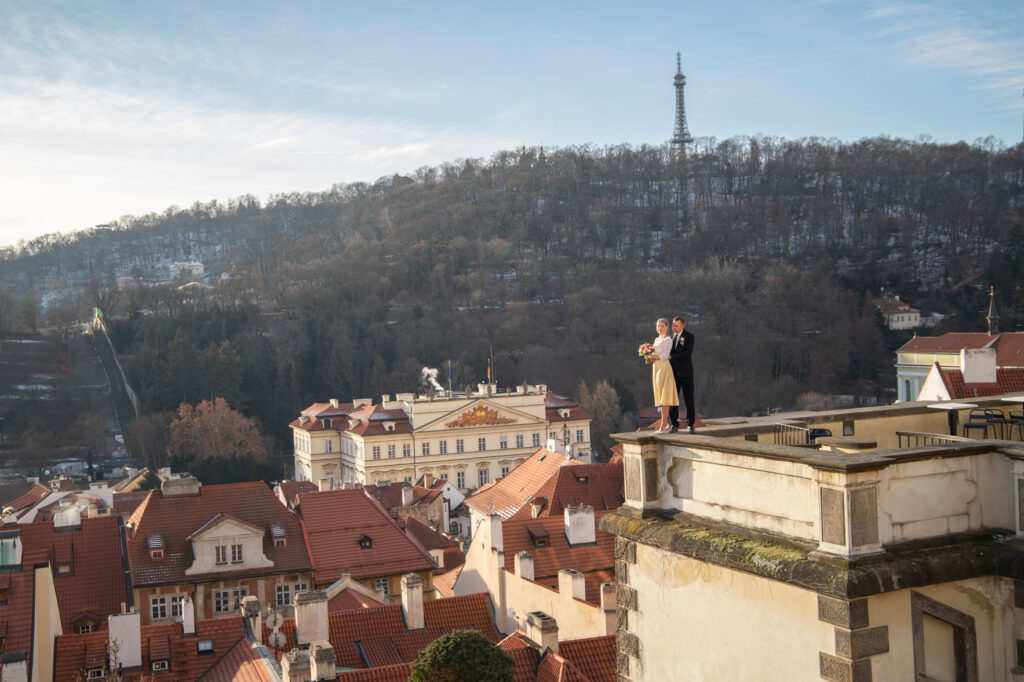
176	517
291	489
1009	345
555	668
12	491
594	657
354	633
597	485
36	494
511	493
244	662
427	536
334	523
1008	380
95	586
126	503
350	600
389	673
17	614
891	304
444	583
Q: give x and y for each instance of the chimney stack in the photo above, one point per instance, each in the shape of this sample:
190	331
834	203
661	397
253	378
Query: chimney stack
412	601
181	485
571	583
252	609
124	635
188	616
579	525
542	630
495	527
323	662
295	666
524	565
407	495
310	617
979	365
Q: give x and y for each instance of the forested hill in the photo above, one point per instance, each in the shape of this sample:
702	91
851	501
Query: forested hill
559	261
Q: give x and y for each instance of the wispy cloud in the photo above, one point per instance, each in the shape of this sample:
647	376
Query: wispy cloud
951	38
102	153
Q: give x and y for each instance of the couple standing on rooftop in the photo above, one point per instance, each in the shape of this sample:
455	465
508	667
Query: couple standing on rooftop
673	374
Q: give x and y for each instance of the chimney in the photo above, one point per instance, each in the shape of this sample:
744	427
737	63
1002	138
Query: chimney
310	617
537	506
295	666
608	597
979	365
542	630
334	403
579	525
323	662
495	527
571	583
252	609
407	495
183	485
188	616
524	565
124	637
412	601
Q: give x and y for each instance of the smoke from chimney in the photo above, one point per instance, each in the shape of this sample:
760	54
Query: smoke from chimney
428	377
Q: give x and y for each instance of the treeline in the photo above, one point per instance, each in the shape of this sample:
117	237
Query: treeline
557	262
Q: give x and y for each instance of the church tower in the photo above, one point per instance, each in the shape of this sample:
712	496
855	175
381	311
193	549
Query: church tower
681	137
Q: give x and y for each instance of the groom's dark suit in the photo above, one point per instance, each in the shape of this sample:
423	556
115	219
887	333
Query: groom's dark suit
681	359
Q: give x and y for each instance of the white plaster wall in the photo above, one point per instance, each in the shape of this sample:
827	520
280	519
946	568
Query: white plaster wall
989	600
701	622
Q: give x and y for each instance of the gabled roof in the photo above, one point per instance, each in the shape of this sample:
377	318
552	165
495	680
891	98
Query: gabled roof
390	496
893	305
554	404
1009	345
12	491
350	600
290	490
222	518
444	583
365	420
334	522
597	485
78	652
33	496
595	657
96	583
244	662
177	517
126	503
596	561
507	496
370	638
426	536
1008	380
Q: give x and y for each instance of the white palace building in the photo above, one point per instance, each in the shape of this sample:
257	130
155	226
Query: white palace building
470	439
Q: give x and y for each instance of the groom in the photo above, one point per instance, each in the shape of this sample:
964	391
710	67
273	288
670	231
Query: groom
681	359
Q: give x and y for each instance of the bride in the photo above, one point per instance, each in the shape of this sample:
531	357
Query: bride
664	382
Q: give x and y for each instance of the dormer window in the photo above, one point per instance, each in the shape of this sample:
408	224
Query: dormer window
155	543
204	646
278	534
582	480
389	426
564	412
63	569
160	666
326	422
280	542
539	535
95	674
366	542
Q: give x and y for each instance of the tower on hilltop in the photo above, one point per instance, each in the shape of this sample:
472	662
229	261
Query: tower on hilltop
681	136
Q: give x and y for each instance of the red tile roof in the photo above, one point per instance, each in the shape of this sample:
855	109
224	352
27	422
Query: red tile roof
427	536
511	493
242	663
291	489
390	496
126	503
1009	345
176	517
74	651
335	521
16	615
365	420
12	491
1008	380
36	494
597	485
388	673
444	583
892	304
350	600
554	668
370	638
554	402
95	585
596	561
595	657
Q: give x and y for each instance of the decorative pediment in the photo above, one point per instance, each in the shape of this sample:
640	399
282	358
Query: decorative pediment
479	415
225	525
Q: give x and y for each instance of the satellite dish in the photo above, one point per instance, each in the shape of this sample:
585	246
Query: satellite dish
276	639
274	620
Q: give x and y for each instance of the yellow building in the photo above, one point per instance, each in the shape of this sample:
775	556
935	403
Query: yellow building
469	439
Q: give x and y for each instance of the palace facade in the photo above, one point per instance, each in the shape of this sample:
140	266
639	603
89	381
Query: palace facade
470	439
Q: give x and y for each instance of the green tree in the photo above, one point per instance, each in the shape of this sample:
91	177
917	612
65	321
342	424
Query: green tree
462	656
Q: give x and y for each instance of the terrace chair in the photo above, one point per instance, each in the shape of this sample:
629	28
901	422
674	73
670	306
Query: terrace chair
996	418
975	422
1017	422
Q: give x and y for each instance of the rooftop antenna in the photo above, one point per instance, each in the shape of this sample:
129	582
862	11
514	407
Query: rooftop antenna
681	137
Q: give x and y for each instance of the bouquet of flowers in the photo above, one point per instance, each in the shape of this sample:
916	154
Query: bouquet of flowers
646	351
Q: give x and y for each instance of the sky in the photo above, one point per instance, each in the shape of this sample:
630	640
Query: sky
118	108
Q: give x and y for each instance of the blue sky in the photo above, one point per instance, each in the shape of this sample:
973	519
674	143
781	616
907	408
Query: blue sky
125	108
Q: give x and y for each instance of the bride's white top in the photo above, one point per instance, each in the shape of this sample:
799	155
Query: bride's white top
662	347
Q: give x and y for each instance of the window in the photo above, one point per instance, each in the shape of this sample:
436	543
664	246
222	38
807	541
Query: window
406	450
225	601
482	476
329	444
95	674
504	471
366	542
442	447
579	435
236	554
848	427
481	444
519	441
444	476
157	608
159	666
460	479
425	449
283	595
64	569
204	646
536	440
460	445
156	554
85	628
176	602
382	585
503	443
280	542
408	479
391	452
376	451
221	555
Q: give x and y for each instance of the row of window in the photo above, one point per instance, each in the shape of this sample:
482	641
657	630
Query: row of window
460	446
224	601
221	557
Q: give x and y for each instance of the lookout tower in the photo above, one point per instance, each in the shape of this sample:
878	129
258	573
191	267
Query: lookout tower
681	137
